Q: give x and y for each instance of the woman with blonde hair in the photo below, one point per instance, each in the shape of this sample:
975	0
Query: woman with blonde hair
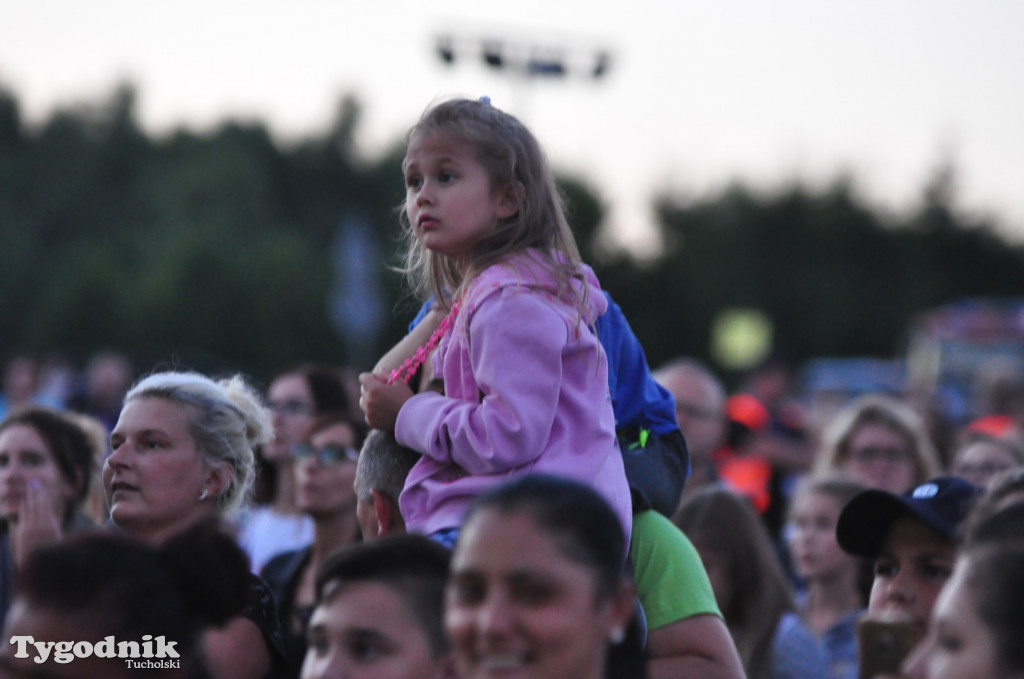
182	455
879	441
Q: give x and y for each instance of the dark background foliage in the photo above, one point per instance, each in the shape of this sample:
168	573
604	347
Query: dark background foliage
221	250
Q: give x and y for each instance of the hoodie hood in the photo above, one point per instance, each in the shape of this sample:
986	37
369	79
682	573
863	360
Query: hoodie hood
530	270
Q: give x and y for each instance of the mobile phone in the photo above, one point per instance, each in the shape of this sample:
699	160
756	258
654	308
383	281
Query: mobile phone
883	644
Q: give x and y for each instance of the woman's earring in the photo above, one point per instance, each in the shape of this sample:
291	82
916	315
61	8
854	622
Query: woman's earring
203	495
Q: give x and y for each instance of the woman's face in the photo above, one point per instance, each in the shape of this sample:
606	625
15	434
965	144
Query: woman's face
291	403
914	564
324	478
518	608
880	457
28	467
812	538
154	477
978	462
959	644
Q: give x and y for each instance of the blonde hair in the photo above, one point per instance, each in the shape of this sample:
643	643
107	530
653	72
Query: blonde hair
227	420
512	158
885	411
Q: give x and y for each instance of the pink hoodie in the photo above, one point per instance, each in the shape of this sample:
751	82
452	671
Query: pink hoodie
526	384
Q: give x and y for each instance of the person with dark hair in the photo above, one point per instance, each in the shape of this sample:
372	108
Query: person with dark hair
539	585
104	588
47	464
296	397
383	465
379	613
752	589
978	622
913	540
325	468
182	454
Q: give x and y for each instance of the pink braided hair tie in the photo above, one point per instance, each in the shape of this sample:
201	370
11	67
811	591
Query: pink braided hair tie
413	363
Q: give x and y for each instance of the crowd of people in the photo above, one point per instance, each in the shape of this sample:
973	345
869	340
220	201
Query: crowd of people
510	491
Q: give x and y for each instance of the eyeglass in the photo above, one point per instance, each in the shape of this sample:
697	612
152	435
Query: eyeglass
872	453
326	454
982	470
293	407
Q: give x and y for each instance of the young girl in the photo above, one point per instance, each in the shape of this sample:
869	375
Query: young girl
525	379
835	583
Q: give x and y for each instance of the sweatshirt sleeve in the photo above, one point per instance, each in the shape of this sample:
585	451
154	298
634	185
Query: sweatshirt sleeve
516	341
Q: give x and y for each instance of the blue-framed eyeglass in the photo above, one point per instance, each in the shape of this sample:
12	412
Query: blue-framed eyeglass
325	454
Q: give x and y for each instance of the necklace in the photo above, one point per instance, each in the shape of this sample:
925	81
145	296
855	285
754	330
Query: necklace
413	363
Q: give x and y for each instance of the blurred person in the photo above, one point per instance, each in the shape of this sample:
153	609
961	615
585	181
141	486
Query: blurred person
20	384
700	412
538	586
380	612
880	441
985	448
182	454
121	591
834	593
686	634
383	466
1004	490
912	539
978	623
296	397
47	465
325	468
95	506
752	589
105	381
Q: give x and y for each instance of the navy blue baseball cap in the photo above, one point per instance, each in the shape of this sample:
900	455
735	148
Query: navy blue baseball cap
941	504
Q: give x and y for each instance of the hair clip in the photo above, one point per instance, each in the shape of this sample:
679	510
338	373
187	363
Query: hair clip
485	100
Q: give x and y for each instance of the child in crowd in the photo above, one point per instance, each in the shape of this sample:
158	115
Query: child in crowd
750	585
525	378
835	584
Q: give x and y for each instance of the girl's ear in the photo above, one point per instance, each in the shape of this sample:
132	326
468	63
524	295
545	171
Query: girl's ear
509	199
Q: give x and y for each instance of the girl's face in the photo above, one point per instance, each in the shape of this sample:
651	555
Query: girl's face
914	564
812	538
880	457
450	199
324	476
154	477
291	403
981	460
518	608
27	466
959	644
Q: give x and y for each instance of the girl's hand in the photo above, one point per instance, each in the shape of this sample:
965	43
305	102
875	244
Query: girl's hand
38	524
381	401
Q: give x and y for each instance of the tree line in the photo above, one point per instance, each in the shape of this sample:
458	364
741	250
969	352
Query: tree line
221	249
